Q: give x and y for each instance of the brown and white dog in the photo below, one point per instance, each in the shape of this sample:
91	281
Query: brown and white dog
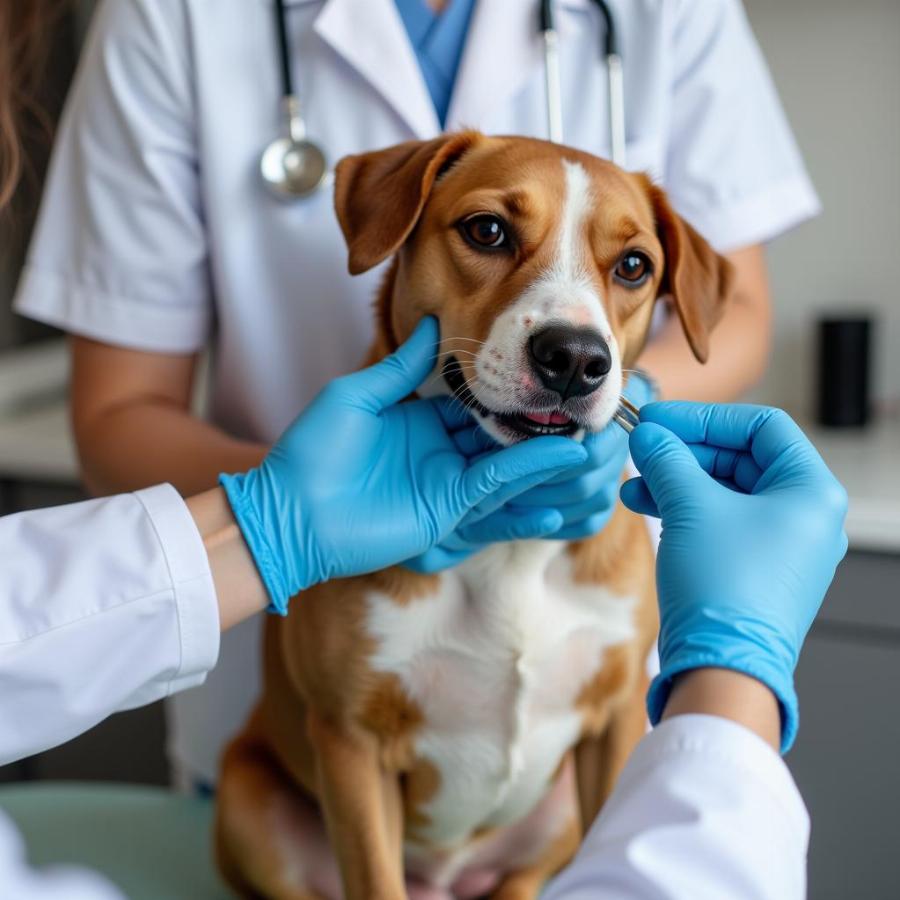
450	735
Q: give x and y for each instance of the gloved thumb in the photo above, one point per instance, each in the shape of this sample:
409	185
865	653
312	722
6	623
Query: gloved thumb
669	472
398	375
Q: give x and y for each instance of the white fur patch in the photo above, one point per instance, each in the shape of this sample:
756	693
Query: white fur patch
563	293
496	661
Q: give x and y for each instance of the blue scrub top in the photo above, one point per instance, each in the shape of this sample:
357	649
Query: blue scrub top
438	40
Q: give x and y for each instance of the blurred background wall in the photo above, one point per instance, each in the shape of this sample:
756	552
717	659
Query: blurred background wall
837	67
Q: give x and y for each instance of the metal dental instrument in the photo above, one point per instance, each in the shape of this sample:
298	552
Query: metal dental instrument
616	90
627	415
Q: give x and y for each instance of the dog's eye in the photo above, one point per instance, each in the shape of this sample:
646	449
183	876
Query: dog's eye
633	269
485	231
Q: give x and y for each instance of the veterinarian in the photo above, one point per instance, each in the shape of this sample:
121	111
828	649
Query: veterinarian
113	603
158	238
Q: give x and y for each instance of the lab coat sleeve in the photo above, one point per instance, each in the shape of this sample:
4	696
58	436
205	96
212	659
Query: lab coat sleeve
703	810
22	882
120	249
733	169
107	605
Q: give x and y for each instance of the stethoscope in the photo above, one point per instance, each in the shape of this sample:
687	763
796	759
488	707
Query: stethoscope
615	83
294	167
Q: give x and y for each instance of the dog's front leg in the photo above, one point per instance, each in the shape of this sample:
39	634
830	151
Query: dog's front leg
362	808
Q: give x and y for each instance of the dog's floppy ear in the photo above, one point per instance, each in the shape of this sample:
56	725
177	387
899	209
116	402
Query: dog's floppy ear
697	277
379	196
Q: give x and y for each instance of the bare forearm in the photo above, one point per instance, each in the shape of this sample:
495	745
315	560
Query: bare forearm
739	345
239	591
729	695
151	442
133	425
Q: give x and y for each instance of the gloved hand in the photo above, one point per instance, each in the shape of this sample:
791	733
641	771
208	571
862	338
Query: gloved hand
752	531
585	496
361	481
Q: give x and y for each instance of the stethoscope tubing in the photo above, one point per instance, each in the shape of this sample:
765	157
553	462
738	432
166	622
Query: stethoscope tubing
284	49
553	88
291	166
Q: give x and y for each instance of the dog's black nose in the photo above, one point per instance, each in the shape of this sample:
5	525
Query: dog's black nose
571	361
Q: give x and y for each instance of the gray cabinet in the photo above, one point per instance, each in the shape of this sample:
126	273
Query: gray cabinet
847	756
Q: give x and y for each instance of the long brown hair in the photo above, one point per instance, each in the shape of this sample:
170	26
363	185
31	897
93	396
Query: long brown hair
24	29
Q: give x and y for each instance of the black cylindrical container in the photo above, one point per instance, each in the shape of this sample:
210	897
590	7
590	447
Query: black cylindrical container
844	360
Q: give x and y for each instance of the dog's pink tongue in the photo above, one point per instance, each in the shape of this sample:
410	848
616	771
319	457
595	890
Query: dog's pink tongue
553	418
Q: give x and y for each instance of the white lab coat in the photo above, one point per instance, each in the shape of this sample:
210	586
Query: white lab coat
110	604
156	234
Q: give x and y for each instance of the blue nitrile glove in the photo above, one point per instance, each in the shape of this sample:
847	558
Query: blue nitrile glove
752	531
361	481
585	496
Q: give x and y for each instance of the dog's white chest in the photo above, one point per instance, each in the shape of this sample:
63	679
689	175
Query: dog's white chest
496	662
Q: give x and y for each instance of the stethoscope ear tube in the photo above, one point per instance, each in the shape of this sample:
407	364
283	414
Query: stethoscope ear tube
551	73
616	108
614	74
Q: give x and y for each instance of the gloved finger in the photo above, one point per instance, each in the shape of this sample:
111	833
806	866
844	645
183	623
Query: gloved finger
437	559
668	467
576	490
601	501
398	375
762	430
512	491
583	528
779	435
453	412
768	434
608	448
508	524
718	424
635	494
735	468
474	441
544	456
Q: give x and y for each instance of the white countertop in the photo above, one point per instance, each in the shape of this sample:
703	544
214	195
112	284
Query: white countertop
867	463
35	439
37	445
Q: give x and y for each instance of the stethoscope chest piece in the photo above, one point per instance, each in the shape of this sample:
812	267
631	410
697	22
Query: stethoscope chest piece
293	167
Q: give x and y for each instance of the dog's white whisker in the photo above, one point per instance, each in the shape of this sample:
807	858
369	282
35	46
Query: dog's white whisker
433	379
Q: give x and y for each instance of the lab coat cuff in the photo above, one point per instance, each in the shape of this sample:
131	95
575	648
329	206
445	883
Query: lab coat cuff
192	584
756	219
91	312
726	745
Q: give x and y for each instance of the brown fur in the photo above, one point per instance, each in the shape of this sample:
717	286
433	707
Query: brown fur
332	734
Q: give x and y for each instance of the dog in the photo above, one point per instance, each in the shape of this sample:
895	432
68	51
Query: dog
452	735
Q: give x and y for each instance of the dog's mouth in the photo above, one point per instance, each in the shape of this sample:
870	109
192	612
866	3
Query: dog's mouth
530	423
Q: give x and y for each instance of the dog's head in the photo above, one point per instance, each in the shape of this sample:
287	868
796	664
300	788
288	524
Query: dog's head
541	263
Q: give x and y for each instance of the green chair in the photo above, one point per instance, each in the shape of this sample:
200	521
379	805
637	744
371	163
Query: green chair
151	843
